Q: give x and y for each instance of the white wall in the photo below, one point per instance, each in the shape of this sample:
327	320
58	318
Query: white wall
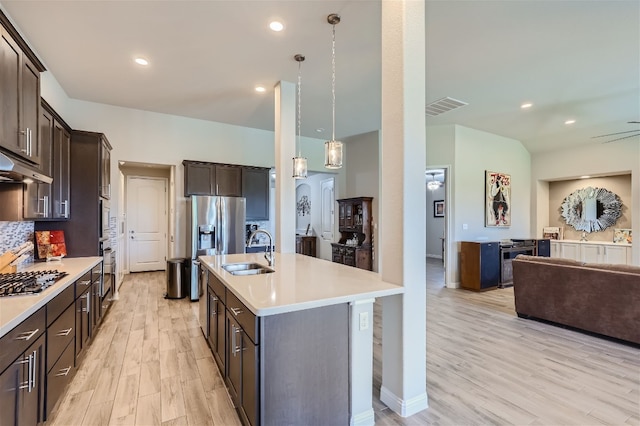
595	160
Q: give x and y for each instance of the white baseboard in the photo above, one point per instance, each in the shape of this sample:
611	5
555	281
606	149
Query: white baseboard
366	418
401	407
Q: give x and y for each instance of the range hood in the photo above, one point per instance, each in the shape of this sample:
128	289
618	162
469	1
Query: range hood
13	170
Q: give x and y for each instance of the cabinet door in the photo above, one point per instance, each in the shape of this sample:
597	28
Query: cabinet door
591	253
37	201
31	110
341	215
228	181
234	360
255	188
615	254
31	401
199	179
105	170
10	71
83	323
61	177
555	249
9	384
249	354
570	251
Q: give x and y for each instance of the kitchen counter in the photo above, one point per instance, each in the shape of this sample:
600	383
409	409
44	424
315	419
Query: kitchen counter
298	283
15	309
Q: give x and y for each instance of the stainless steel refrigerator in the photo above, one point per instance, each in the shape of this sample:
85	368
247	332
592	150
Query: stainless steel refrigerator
215	225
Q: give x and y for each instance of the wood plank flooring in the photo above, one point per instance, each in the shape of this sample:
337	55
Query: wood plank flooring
150	365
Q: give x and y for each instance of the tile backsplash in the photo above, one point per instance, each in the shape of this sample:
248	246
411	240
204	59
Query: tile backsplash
12	234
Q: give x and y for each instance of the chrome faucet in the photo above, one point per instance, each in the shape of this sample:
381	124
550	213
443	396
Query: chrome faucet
268	255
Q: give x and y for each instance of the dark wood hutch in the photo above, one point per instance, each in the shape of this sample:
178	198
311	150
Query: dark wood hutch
355	246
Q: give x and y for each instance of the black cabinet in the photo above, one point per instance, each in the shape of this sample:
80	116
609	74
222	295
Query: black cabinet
355	247
228	180
216	322
479	265
255	188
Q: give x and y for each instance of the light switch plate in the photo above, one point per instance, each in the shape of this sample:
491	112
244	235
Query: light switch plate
364	320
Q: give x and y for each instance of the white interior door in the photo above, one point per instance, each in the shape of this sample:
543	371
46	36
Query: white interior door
147	223
328	201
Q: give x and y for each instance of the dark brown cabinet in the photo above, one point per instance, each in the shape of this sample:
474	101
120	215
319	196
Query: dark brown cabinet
355	247
83	315
212	179
255	188
216	322
479	265
89	161
51	201
306	244
22	365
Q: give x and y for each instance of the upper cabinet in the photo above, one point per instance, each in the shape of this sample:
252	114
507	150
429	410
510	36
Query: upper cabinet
202	178
20	90
255	188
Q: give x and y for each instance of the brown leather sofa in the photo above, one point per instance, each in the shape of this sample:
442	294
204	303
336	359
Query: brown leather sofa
598	298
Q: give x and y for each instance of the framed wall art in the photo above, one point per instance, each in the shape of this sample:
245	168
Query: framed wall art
622	236
438	208
497	191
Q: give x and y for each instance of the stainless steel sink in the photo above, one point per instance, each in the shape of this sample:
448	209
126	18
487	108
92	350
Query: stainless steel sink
246	269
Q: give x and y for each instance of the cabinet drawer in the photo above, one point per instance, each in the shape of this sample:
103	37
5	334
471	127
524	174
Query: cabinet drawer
20	338
218	288
245	318
59	304
59	334
83	284
61	374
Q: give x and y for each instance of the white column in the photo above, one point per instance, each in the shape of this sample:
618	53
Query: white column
285	135
361	360
402	208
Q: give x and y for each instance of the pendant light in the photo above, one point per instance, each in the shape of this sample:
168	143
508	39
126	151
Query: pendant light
433	184
333	148
299	162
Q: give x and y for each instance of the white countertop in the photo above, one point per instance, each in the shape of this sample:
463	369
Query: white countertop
607	243
299	282
15	309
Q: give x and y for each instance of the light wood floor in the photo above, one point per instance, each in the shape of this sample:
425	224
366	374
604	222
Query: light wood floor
150	365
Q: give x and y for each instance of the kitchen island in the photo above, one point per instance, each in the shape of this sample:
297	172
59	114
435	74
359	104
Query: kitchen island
295	346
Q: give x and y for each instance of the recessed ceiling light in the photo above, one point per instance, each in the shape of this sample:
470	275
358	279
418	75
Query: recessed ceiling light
260	89
526	105
585	177
276	26
141	61
569	121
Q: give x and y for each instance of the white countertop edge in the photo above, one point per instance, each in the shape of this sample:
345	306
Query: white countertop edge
608	243
47	295
392	289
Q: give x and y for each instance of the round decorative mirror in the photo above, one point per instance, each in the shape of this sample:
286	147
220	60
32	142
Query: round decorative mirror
591	209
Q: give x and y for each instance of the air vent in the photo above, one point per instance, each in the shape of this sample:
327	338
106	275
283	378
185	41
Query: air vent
443	105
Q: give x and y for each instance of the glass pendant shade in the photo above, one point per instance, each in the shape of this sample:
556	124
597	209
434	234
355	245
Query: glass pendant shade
333	154
299	167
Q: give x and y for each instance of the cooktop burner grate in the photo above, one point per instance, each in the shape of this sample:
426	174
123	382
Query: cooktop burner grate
32	282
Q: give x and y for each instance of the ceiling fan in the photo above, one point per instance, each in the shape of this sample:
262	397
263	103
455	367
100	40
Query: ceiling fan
628	134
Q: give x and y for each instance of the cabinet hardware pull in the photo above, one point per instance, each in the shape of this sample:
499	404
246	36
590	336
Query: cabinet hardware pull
88	301
66	208
87	282
33	371
27	335
236	311
64	371
234	344
64	332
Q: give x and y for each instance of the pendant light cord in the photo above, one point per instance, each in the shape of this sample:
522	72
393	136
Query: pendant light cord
299	102
333	83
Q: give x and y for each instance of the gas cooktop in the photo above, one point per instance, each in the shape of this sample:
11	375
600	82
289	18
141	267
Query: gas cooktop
33	282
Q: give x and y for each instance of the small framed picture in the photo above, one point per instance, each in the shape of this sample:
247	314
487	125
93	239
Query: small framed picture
622	236
438	208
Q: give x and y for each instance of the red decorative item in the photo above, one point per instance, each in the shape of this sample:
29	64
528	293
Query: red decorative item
50	244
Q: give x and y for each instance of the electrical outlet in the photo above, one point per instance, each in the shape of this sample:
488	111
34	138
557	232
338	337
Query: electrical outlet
465	226
364	320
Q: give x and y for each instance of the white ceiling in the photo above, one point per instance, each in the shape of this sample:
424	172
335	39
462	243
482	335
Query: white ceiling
571	59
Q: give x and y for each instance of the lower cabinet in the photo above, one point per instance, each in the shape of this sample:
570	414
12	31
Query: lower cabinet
359	257
22	381
592	252
290	368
